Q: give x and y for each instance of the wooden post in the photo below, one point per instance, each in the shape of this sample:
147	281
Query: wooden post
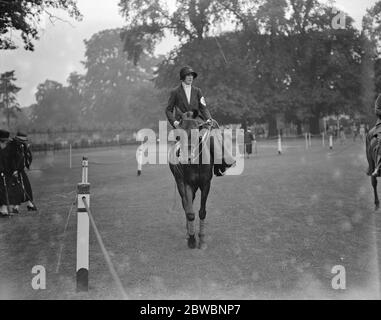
140	160
82	268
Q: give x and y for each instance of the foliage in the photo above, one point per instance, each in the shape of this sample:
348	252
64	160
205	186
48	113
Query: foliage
8	92
24	17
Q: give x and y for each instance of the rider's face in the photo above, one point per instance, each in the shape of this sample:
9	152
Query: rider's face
188	79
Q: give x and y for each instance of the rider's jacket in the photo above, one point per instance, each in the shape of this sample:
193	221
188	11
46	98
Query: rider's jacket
178	104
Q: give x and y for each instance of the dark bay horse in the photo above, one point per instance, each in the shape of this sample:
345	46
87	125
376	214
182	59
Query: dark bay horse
373	154
193	170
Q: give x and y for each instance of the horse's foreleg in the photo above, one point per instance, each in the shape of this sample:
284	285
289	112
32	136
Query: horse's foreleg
376	200
190	216
202	214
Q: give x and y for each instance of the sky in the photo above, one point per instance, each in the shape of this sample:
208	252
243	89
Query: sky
61	49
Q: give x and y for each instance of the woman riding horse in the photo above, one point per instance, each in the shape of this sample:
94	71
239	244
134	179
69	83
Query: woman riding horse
191	113
187	97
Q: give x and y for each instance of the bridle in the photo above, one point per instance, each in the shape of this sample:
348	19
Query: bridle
195	149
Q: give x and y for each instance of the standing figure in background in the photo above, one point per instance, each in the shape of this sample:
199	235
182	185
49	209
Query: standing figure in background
354	131
362	132
248	141
23	156
4	174
342	134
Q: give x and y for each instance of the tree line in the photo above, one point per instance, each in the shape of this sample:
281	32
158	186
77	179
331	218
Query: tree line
278	57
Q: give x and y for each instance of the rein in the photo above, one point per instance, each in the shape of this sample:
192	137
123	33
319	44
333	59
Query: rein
205	136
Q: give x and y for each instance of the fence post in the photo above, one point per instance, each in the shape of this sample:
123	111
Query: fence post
140	160
306	136
82	268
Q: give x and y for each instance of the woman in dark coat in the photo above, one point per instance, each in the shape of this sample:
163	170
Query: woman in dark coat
22	157
248	141
5	174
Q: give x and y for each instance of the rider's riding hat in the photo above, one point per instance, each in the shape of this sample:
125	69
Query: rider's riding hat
185	71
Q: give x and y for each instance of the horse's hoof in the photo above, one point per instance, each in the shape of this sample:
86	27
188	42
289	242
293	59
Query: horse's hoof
202	245
192	242
377	207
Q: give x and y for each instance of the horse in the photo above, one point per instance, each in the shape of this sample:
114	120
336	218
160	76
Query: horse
373	154
193	172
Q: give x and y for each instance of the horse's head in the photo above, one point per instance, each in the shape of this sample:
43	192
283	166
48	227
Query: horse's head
191	120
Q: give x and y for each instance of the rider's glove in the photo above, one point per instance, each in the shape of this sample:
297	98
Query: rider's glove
209	121
176	124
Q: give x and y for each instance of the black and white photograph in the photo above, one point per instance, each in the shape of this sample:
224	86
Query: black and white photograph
207	151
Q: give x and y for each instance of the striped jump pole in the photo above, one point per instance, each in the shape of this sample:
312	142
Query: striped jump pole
310	140
279	144
323	139
140	160
82	269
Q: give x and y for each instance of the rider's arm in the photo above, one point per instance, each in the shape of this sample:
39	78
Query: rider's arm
202	106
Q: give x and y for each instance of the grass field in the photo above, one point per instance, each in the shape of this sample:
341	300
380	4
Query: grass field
274	232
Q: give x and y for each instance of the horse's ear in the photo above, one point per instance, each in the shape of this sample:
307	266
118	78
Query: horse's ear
195	113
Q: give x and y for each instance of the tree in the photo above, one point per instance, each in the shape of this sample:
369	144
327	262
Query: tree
8	92
54	108
148	20
75	91
371	73
283	57
326	64
112	81
24	16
